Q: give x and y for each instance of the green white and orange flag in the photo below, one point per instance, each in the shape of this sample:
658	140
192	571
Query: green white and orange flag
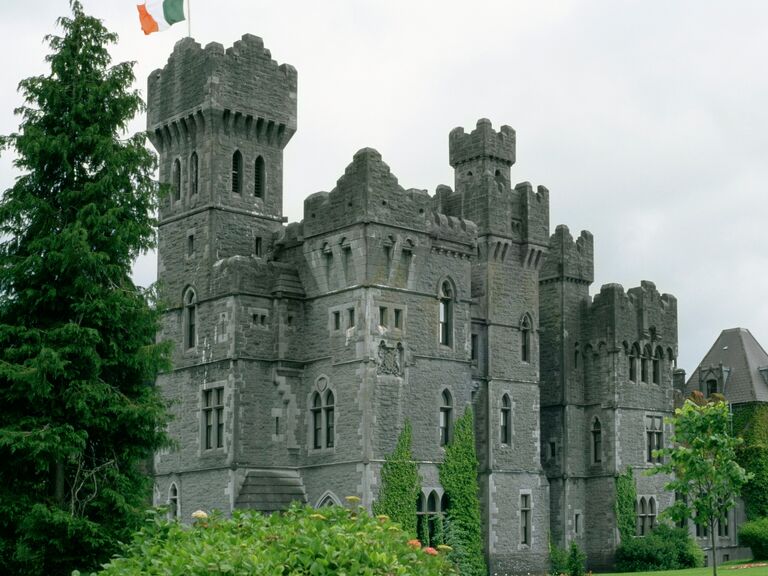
159	15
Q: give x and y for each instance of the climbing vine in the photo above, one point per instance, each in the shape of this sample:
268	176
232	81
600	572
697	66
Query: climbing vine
626	496
750	422
400	484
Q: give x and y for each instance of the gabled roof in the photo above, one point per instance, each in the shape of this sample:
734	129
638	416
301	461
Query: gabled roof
745	364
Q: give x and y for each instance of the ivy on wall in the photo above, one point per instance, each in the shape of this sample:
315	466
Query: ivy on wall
458	475
626	497
750	422
400	482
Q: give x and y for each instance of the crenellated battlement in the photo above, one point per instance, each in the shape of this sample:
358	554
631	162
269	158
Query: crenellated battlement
570	259
242	84
444	227
482	142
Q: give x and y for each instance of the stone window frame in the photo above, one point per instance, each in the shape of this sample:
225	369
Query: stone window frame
527	329
393	310
343	310
194	174
328	498
191	248
446	312
174	501
260	178
176	180
506	419
646	511
219	414
237	173
446	417
657	366
651	420
423	511
259	318
321	390
190	317
634	360
596	441
525	519
578	523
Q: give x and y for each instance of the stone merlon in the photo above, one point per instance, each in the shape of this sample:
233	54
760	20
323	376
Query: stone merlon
483	141
568	258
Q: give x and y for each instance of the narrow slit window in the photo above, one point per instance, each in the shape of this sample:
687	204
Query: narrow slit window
506	419
317	421
237	172
597	442
193	174
351	318
446	413
259	178
398	318
445	314
337	320
383	313
176	180
525	519
258	246
330	421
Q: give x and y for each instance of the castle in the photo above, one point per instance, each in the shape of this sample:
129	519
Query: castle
301	350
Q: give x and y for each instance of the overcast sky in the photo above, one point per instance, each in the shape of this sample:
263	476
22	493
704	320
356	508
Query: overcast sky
647	120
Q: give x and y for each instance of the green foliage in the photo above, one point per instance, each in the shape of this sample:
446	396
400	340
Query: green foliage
750	422
703	461
626	499
329	541
400	482
576	560
755	535
558	559
77	348
458	475
666	548
437	530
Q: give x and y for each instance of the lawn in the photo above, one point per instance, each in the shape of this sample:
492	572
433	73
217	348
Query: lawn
729	569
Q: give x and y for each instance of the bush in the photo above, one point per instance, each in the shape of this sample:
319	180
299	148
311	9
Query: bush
558	559
333	540
755	535
576	560
666	548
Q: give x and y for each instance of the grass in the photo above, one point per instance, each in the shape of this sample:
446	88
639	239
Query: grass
727	569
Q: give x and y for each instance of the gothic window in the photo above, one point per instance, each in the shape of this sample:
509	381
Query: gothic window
506	419
642	517
651	513
237	172
317	421
711	387
446	410
330	421
213	418
525	339
525	519
190	319
633	360
176	180
193	174
597	442
646	358
446	313
421	518
657	359
432	514
173	502
326	502
654	430
259	178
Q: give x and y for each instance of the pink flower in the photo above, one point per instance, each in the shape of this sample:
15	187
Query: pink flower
431	551
414	543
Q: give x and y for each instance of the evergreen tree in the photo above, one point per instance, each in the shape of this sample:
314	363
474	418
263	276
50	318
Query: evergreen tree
400	484
80	415
458	475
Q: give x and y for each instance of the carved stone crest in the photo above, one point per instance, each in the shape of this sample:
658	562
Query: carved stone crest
390	359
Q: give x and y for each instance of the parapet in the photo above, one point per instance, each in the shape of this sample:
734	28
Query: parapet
570	259
452	228
483	141
241	80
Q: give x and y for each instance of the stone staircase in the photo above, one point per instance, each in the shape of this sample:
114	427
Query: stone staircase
271	490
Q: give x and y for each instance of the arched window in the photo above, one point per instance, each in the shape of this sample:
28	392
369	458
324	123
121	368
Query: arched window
597	442
445	418
259	178
525	339
642	514
657	359
237	172
576	356
444	503
176	180
330	425
633	359
193	174
173	502
446	313
433	517
422	531
317	421
651	513
506	419
644	361
190	319
711	387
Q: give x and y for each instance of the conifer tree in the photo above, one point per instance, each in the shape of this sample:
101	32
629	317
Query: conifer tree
80	415
458	475
400	484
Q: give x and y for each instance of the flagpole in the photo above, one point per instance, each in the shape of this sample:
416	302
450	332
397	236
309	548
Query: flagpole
189	18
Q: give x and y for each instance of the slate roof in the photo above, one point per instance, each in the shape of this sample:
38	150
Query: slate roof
746	362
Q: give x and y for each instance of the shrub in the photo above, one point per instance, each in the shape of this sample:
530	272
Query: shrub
626	498
576	560
558	559
666	548
755	535
333	540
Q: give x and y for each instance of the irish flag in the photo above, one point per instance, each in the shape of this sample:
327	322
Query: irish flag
159	15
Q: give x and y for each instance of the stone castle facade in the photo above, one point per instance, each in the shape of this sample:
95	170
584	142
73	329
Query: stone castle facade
301	349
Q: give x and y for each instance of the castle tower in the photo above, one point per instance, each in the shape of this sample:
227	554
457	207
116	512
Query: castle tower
219	120
513	227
